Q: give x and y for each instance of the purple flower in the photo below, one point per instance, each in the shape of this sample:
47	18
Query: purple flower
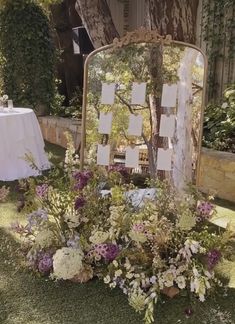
36	218
107	251
205	208
81	179
213	258
79	203
18	228
42	190
120	169
73	242
45	263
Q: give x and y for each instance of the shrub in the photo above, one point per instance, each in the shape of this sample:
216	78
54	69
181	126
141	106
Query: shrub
219	123
27	54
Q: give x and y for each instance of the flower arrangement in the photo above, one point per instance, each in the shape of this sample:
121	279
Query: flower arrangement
4	98
166	245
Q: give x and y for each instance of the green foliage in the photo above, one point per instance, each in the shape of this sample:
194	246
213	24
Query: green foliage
27	54
218	26
74	110
219	124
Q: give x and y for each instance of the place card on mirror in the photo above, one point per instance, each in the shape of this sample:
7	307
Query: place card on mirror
105	123
135	125
132	157
164	158
169	95
108	93
103	154
138	93
167	126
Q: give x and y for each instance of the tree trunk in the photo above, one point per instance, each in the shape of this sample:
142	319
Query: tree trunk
174	17
96	18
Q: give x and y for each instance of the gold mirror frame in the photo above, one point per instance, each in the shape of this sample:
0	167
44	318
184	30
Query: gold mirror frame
141	36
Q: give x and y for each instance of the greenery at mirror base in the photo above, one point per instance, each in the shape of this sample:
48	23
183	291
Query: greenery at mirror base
155	64
165	246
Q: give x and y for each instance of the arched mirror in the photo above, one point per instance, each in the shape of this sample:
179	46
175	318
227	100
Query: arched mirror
143	107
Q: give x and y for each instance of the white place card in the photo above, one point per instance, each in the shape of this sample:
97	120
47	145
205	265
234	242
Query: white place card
108	93
132	157
103	154
169	95
105	123
135	125
138	93
164	158
167	126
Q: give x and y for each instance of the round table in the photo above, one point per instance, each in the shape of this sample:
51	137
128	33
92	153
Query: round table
20	134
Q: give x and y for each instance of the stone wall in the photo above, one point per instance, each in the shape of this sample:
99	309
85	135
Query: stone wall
217	173
53	129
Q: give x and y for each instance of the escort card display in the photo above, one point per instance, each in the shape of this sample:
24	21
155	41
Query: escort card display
103	154
105	123
138	93
108	93
169	95
132	157
167	126
135	125
164	158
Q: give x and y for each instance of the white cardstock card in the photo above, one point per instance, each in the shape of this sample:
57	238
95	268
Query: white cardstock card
164	159
132	157
169	95
105	123
138	93
167	126
103	154
135	125
108	93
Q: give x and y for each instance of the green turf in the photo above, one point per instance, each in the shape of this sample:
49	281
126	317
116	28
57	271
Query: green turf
26	299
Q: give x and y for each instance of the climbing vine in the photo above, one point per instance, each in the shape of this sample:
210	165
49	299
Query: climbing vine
27	54
218	32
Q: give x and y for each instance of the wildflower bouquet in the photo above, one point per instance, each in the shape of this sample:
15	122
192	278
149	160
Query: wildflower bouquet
165	245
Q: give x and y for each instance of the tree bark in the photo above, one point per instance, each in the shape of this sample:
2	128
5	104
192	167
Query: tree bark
96	18
174	17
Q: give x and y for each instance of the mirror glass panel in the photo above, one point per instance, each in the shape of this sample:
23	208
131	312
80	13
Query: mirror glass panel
143	105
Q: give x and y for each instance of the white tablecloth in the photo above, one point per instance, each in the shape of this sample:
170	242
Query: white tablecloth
20	134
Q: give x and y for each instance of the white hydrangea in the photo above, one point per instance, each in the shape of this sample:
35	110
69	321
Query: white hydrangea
45	238
67	263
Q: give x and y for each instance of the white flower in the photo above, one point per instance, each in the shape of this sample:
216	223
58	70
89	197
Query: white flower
113	285
224	105
107	279
129	275
118	273
99	237
72	218
181	282
153	279
115	263
44	238
67	262
201	298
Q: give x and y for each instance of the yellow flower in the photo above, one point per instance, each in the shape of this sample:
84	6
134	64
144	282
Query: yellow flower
99	237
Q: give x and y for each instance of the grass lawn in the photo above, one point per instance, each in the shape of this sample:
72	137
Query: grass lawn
26	299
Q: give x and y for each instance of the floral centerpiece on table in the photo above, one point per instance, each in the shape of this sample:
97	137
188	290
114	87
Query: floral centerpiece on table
76	232
3	100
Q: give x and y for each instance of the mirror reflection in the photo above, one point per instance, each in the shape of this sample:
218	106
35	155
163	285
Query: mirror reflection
144	109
